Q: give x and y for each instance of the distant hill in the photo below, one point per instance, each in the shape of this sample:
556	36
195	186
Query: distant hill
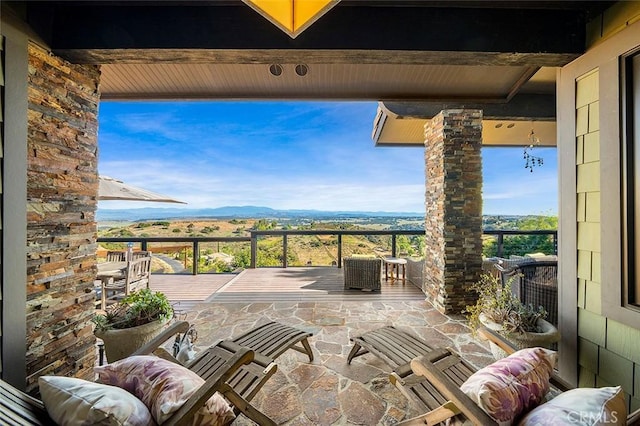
236	211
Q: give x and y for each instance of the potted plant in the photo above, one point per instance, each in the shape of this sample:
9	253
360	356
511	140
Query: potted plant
499	309
132	322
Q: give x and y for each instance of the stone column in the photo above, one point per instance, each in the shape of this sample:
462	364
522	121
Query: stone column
62	184
453	221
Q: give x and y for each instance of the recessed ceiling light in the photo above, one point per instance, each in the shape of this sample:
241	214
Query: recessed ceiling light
510	125
302	70
275	69
498	125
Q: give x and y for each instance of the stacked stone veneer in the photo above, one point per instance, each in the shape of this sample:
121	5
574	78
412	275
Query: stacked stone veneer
453	221
62	184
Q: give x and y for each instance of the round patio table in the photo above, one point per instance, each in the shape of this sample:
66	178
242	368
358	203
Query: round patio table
393	264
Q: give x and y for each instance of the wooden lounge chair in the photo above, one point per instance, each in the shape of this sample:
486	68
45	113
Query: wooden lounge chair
436	383
19	409
267	341
273	339
392	345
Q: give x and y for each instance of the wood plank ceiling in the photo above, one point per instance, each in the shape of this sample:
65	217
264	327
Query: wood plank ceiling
443	54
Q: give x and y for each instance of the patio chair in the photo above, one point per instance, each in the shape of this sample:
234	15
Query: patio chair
362	273
136	277
436	382
20	409
268	341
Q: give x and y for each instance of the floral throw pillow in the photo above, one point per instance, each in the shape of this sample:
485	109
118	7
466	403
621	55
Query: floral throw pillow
76	402
164	387
583	406
513	385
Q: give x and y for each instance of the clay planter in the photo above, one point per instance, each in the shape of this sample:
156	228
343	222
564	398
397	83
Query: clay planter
121	343
545	338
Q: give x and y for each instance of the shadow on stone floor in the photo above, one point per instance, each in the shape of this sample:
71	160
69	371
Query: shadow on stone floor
328	391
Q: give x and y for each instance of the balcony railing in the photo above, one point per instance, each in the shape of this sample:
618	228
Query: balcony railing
194	242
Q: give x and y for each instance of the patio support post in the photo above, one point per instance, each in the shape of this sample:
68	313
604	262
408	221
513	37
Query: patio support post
393	245
453	221
196	258
254	251
284	251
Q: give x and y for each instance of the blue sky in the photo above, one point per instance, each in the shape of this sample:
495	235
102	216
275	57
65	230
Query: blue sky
291	155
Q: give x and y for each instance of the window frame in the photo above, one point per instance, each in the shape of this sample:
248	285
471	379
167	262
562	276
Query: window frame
630	177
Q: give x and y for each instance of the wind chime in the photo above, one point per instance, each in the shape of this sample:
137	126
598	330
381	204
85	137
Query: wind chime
531	160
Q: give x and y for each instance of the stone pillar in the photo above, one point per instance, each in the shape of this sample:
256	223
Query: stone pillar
62	184
453	222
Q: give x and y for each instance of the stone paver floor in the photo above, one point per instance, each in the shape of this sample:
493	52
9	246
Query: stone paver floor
328	391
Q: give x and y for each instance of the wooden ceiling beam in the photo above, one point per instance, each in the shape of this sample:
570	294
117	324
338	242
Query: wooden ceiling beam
405	32
297	56
521	107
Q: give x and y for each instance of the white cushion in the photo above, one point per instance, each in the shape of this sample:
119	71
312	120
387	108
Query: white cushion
70	402
582	406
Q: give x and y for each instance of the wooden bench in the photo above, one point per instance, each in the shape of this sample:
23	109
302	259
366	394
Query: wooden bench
394	346
19	409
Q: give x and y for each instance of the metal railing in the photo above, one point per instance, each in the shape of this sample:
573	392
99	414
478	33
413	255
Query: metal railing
339	233
193	241
500	239
255	235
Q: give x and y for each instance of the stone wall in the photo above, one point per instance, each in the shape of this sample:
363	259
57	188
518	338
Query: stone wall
453	219
62	185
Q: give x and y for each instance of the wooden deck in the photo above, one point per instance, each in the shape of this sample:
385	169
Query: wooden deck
302	284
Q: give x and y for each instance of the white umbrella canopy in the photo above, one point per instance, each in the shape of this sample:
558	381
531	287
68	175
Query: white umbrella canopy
113	189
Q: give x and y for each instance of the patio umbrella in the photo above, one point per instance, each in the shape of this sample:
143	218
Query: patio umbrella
113	189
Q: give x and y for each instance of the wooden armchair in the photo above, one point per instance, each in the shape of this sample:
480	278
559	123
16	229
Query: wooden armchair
136	277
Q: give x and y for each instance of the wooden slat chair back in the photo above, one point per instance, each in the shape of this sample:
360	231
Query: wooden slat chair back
445	372
137	274
140	253
116	256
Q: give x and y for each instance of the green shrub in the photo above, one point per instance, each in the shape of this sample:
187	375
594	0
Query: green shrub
137	308
501	306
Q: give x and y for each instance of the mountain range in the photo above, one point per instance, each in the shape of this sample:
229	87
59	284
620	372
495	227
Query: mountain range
148	213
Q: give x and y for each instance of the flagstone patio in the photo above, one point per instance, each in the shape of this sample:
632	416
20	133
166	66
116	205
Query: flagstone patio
328	391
